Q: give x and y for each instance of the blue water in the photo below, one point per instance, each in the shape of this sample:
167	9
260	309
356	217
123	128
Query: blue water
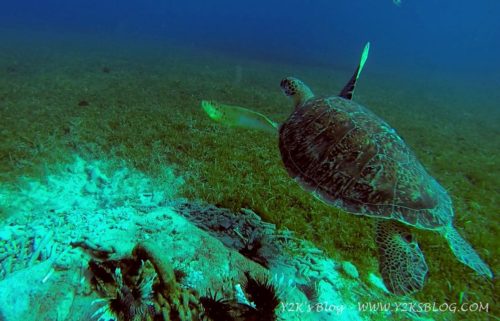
459	36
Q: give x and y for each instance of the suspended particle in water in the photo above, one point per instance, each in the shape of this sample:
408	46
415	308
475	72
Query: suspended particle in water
397	2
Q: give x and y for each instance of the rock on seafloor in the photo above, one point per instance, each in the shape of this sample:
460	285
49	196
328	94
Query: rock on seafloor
93	212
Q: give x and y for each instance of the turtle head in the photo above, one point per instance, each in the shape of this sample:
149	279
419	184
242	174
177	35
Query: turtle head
295	88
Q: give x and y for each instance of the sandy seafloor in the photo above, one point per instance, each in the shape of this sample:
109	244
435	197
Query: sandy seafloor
73	107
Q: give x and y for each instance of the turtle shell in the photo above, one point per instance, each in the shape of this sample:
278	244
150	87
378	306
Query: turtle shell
350	158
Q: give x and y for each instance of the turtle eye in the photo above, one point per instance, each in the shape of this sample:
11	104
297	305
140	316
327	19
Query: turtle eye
408	238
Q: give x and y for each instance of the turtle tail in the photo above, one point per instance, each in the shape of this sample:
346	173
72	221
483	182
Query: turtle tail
465	253
402	264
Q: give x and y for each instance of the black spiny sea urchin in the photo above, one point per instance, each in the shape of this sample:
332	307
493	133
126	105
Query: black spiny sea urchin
216	309
264	295
127	298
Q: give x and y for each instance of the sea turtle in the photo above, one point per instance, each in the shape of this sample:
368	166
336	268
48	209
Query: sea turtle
349	158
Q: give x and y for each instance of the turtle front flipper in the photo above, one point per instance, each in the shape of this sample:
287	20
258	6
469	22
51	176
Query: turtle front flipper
238	116
348	89
402	264
465	253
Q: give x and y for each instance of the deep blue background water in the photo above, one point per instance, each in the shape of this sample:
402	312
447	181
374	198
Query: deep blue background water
445	36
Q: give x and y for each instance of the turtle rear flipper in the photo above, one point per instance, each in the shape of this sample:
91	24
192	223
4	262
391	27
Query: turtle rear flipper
402	264
465	253
238	116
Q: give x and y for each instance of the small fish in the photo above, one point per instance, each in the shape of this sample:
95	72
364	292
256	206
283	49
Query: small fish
238	116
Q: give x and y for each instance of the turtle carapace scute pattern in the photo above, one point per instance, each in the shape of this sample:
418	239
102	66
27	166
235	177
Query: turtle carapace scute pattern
350	158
